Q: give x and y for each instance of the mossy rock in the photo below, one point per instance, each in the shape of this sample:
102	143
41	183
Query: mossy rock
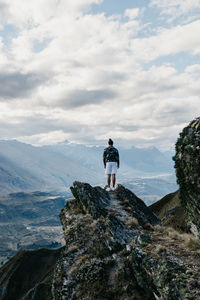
187	164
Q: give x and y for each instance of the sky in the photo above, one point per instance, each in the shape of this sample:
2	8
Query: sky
88	70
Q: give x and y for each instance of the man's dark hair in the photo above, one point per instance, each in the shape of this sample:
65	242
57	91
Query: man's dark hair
110	142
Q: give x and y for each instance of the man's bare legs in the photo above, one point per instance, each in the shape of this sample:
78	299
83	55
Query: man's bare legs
108	179
113	180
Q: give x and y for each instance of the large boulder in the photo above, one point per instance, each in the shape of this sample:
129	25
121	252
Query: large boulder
187	164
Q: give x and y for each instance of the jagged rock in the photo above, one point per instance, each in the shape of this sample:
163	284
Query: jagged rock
162	282
187	164
136	207
110	254
98	240
115	249
92	200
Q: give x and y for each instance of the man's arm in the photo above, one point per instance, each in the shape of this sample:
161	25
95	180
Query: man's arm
104	158
117	158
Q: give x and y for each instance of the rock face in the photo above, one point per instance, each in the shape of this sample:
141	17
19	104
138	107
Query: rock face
187	164
115	249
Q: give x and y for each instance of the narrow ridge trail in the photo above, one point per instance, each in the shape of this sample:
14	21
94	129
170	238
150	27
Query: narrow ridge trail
116	206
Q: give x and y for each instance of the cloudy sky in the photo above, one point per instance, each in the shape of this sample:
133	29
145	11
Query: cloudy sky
87	70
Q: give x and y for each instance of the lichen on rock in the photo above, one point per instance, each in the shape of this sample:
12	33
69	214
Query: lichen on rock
116	248
107	256
187	164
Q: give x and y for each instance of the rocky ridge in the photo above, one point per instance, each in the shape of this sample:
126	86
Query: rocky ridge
116	249
187	164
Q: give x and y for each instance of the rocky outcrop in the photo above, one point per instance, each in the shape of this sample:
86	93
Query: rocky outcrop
187	164
113	251
115	248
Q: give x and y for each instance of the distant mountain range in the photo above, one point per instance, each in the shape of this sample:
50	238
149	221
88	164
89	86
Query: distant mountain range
15	178
134	161
24	167
29	219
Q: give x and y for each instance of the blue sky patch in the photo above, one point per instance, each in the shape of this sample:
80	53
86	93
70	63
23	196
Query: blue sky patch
8	33
112	7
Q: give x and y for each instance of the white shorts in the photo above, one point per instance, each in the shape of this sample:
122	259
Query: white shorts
111	167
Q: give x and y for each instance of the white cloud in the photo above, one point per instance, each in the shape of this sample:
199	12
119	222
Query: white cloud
30	13
168	41
193	69
86	81
132	13
177	8
49	138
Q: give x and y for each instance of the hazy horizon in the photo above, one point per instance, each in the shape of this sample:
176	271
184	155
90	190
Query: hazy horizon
67	142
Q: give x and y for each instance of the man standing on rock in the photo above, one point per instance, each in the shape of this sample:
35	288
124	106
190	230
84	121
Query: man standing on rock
111	164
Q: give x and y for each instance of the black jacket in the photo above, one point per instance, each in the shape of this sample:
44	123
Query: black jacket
110	154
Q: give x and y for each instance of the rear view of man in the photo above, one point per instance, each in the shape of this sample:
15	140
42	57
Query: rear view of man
111	164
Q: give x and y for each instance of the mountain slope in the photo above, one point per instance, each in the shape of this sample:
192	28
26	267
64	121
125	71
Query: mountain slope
147	160
171	212
13	178
28	274
53	171
165	204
